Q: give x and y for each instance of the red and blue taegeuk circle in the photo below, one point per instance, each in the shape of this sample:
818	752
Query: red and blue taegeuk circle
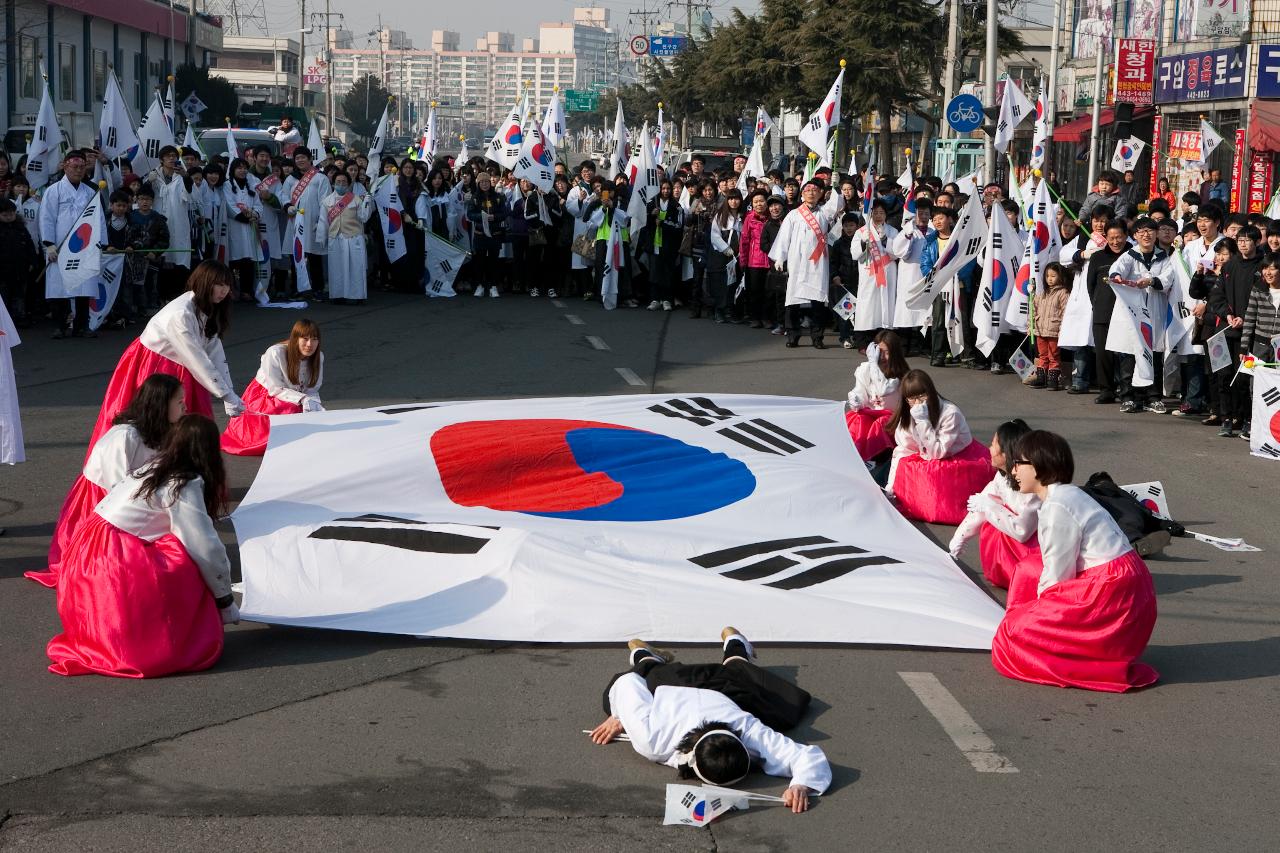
1148	334
514	136
699	812
99	300
394	221
1023	279
299	252
999	280
1041	236
539	153
584	471
80	237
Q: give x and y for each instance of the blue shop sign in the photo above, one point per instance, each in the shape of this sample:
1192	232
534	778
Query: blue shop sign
1207	75
1269	71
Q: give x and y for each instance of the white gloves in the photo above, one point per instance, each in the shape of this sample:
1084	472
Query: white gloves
230	614
312	404
855	400
981	503
957	545
233	406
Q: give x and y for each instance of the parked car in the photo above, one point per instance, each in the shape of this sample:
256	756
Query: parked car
213	141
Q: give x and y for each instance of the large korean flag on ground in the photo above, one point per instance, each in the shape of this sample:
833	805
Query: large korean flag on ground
593	520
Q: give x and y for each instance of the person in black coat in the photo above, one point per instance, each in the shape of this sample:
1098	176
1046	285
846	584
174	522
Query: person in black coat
1228	301
1103	299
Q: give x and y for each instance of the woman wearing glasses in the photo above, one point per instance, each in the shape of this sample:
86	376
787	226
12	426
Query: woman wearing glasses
1095	604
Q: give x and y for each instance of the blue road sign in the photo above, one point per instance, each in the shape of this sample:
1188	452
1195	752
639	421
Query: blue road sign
964	113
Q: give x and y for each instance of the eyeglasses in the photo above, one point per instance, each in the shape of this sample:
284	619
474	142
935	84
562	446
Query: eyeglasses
1018	462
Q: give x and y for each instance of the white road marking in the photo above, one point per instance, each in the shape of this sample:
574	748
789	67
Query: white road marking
629	376
956	722
556	303
597	342
575	319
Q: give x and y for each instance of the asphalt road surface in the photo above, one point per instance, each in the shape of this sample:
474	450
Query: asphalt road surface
307	739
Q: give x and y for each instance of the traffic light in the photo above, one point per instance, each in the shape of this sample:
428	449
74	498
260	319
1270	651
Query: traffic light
993	115
1123	120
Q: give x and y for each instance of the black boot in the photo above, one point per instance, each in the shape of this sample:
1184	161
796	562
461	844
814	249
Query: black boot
1038	380
1054	380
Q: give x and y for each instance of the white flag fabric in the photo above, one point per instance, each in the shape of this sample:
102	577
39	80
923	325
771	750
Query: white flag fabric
1004	250
314	141
109	277
1137	301
1014	107
116	137
537	161
966	241
298	249
233	147
379	140
444	259
80	255
613	260
1180	322
853	161
1209	140
192	107
1077	319
645	183
1021	364
1128	152
693	805
1273	207
386	197
618	162
44	151
553	123
1040	137
846	306
1042	248
153	134
11	445
1152	496
1219	353
504	148
764	124
1264	435
755	165
659	140
190	143
482	519
814	133
430	139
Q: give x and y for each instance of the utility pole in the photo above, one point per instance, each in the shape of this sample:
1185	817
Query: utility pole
1051	102
949	66
993	21
1097	107
329	40
302	55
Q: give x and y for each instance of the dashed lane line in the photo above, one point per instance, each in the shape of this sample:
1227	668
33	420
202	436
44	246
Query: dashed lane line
972	741
575	319
597	342
629	376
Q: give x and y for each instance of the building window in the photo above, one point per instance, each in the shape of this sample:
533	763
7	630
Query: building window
67	71
289	63
99	74
28	67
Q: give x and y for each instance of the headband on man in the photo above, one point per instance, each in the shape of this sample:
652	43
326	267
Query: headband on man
690	758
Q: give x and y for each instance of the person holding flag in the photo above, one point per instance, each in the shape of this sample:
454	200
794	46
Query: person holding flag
800	250
173	201
1149	268
340	230
61	209
240	212
872	247
287	383
286	135
304	189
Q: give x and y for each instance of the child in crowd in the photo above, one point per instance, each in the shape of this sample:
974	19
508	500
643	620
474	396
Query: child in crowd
1050	305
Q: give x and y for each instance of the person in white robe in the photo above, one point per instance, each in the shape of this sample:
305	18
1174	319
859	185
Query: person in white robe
304	189
1147	267
11	448
174	203
801	251
579	198
240	209
340	230
907	246
61	206
872	248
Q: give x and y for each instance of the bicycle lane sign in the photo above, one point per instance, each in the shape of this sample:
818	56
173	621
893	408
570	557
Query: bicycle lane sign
964	113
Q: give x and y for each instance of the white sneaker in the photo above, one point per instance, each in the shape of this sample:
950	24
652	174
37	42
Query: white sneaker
493	292
534	293
654	305
666	306
551	293
479	291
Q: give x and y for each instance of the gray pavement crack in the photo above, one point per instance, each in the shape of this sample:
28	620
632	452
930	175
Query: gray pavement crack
213	725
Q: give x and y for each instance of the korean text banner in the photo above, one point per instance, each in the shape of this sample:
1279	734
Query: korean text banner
591	520
1210	75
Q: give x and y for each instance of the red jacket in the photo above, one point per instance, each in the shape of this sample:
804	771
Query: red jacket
750	256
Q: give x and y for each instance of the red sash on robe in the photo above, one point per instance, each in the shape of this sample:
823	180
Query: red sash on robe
340	205
301	188
820	250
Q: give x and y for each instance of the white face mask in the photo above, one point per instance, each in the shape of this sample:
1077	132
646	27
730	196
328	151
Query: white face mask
920	412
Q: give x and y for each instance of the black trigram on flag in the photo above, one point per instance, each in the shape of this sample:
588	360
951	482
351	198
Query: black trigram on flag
815	122
1267	448
108	275
972	245
1271	396
445	266
819	560
755	433
111	137
392	242
524	163
688	799
153	148
406	534
36	165
1154	490
72	264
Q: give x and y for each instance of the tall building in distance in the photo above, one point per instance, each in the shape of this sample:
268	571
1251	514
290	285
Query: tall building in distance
475	87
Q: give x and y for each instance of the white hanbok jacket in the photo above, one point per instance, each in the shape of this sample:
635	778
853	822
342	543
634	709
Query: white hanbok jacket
923	439
656	723
174	203
347	259
1075	534
907	246
242	237
117	454
1007	510
876	305
873	390
177	333
177	511
309	202
273	375
1121	335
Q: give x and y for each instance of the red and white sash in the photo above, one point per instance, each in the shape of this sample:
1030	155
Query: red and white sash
301	188
340	205
820	250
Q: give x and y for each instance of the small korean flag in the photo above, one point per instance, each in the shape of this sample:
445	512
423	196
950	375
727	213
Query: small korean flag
845	307
1219	355
689	805
1021	365
1152	496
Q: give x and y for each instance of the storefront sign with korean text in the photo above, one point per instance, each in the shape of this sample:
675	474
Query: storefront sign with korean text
1210	75
1261	165
1135	70
1184	145
1269	71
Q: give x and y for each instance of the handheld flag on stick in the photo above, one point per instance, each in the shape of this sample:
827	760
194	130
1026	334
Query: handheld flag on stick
504	148
1040	137
691	805
80	255
233	147
314	142
645	184
298	252
1128	152
190	143
814	133
45	148
553	123
1209	140
379	137
386	196
444	259
1014	107
154	134
537	160
618	163
1004	249
116	137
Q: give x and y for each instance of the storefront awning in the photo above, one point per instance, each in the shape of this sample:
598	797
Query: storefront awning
1264	126
1077	130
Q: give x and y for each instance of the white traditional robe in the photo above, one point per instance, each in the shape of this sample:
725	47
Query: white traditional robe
907	246
242	237
873	390
177	333
876	304
1008	510
175	204
272	219
60	207
1075	533
923	439
576	204
1122	337
309	201
117	454
342	238
807	280
11	449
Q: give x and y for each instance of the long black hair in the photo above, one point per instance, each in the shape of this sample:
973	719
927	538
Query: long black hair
202	281
148	411
1009	434
721	759
190	450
